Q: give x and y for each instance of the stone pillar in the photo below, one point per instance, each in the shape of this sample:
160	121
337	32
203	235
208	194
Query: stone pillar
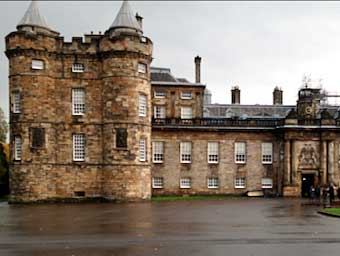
331	161
287	167
293	167
323	162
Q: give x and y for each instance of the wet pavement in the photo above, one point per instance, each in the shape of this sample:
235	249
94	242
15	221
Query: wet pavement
214	227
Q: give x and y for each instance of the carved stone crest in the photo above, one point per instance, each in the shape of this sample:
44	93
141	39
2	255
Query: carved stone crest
308	157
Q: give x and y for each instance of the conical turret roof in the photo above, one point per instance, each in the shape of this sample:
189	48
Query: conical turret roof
33	17
125	18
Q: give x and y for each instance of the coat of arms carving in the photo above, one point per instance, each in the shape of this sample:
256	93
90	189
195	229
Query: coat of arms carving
308	157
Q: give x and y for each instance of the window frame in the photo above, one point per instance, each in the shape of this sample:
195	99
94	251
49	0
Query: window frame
142	105
266	185
157	185
17	148
16	102
36	66
185	95
183	114
213	154
213	183
185	158
75	154
238	184
142	150
160	155
238	155
159	96
78	109
121	131
76	69
264	156
162	112
185	185
142	70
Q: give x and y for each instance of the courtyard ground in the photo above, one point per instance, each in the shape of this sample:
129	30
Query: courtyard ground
208	227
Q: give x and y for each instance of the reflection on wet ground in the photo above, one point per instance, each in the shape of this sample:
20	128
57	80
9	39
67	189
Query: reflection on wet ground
215	227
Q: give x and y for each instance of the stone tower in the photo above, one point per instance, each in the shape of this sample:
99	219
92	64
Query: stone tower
80	111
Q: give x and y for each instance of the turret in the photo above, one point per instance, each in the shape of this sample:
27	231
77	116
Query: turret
277	96
235	95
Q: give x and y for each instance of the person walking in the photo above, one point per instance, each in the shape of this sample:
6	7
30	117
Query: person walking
331	193
324	196
312	194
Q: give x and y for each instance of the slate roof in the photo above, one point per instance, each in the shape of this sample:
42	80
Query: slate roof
33	17
126	18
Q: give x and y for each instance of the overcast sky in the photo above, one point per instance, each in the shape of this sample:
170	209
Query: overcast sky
256	45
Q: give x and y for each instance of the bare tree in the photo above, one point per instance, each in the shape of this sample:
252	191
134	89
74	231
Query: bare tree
3	127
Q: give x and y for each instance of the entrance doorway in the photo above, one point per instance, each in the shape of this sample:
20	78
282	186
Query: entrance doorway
307	182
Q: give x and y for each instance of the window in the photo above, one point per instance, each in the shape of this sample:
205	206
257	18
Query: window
186	96
159	112
121	138
79	147
159	94
17	148
37	64
185	149
158	151
185	183
267	153
212	182
212	152
240	182
78	68
16	102
157	182
240	152
78	101
38	137
142	150
186	112
142	68
142	105
267	183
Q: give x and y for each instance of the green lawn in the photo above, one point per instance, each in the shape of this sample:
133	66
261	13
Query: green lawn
187	198
333	211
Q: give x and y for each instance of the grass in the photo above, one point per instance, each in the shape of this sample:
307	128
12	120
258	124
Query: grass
332	211
4	199
189	198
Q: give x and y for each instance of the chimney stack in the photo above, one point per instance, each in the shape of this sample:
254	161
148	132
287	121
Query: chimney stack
140	20
198	69
277	96
235	95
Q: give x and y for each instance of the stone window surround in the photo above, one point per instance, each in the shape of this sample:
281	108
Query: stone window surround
79	147
159	94
157	182
185	152
186	112
142	105
186	95
267	152
78	95
267	183
157	152
240	152
142	68
142	150
17	148
159	111
213	182
38	64
78	68
16	102
240	182
213	153
185	183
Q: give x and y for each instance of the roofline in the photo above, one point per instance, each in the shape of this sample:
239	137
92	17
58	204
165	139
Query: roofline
176	83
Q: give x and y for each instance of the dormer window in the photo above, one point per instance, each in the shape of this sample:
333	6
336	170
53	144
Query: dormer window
186	96
78	68
141	68
38	64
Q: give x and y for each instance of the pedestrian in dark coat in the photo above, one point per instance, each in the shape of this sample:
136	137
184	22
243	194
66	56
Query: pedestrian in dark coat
331	193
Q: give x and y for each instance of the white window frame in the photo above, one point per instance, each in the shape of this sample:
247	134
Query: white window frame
38	64
240	152
157	151
212	182
213	152
185	183
159	94
159	112
17	148
240	182
157	182
78	68
185	152
267	183
16	102
79	147
142	105
267	153
78	101
186	95
142	68
142	150
186	112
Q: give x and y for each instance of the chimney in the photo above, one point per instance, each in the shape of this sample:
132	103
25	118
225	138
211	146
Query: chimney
277	96
140	20
198	69
235	95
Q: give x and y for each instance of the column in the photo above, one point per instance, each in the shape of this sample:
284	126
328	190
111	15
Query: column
331	161
287	167
323	162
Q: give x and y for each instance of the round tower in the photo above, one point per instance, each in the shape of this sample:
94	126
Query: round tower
126	95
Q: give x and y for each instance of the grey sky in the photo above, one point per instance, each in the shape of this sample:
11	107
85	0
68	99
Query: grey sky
256	45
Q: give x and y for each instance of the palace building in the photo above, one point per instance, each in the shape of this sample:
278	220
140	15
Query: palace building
91	118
